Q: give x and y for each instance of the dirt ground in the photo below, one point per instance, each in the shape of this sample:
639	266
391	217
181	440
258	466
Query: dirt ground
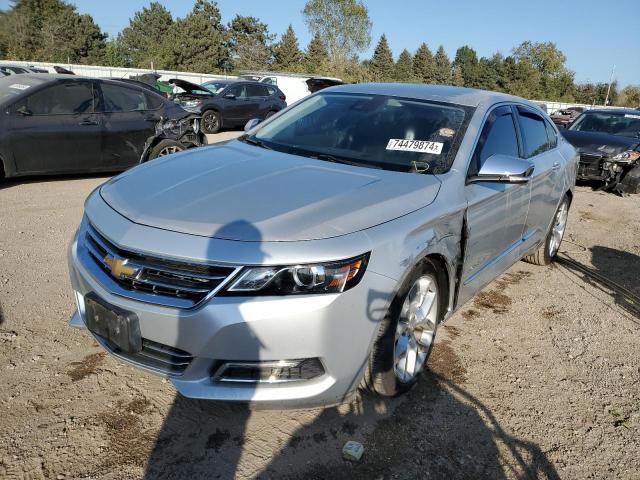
537	377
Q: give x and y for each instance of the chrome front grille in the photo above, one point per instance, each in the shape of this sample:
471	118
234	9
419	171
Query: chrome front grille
151	279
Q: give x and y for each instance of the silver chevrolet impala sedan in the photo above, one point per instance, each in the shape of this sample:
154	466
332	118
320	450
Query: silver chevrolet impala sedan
319	252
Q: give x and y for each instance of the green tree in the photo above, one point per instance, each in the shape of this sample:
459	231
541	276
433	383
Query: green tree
249	43
50	30
142	40
114	54
442	67
381	66
424	65
316	56
404	67
629	96
456	76
197	42
287	54
466	61
343	26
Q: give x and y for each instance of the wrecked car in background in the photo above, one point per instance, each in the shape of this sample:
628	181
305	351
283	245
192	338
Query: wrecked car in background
66	124
608	141
564	117
174	135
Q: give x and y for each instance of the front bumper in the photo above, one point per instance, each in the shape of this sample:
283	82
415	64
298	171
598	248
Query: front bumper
337	329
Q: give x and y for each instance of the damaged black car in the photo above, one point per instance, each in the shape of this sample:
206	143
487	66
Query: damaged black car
608	141
54	124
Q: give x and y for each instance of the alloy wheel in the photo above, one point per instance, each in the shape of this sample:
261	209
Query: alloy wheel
416	329
210	121
169	150
559	226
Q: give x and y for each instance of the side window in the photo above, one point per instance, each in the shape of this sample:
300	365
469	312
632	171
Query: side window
62	99
123	99
153	101
270	81
257	91
552	135
271	91
238	90
498	137
534	132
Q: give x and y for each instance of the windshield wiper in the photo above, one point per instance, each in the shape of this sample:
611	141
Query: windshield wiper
331	158
256	142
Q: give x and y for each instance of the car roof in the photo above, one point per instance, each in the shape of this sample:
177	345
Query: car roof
441	93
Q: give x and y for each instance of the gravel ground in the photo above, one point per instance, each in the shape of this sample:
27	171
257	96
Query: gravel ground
537	377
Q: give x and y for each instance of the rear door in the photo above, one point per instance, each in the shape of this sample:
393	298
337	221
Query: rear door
58	129
129	115
259	101
496	212
540	147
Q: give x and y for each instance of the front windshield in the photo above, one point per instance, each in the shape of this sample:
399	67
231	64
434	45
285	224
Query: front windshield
215	87
372	130
14	85
625	124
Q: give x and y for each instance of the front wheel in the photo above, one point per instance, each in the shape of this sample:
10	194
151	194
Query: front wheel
165	147
211	122
406	335
549	250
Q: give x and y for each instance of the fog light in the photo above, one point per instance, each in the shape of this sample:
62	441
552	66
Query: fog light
269	372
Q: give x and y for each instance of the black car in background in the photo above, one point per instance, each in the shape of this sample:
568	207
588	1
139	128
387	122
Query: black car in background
64	123
231	105
608	141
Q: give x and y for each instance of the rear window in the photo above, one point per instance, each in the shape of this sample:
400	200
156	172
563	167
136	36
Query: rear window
534	133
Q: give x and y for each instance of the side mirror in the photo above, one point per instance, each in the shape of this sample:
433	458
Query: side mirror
504	169
230	96
251	124
24	111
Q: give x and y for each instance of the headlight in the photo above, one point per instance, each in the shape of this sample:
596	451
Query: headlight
628	156
330	277
191	103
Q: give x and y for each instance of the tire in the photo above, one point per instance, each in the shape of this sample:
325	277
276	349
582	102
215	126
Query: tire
211	122
549	250
166	147
385	374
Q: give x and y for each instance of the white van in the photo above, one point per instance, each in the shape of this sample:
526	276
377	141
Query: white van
294	86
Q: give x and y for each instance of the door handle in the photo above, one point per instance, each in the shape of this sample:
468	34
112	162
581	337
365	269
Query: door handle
87	122
556	166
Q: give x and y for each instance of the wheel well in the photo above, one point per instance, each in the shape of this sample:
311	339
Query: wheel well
440	264
570	195
2	171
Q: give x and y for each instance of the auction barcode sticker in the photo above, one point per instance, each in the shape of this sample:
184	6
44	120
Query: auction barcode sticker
18	86
422	146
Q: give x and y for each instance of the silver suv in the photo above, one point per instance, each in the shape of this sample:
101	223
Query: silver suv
320	251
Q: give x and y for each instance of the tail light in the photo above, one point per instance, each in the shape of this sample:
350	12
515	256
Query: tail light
283	97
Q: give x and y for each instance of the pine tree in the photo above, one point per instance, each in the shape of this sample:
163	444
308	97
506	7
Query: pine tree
404	67
250	43
316	57
424	65
287	53
382	61
141	40
456	76
467	62
442	67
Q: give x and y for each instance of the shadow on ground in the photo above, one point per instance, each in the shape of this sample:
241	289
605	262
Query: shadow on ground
12	182
610	269
439	430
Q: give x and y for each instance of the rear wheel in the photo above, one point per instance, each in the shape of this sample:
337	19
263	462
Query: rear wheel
165	147
548	251
211	122
406	335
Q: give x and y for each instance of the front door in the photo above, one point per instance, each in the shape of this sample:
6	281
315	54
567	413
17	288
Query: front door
56	129
496	212
128	119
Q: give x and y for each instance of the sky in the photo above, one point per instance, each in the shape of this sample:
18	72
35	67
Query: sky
593	35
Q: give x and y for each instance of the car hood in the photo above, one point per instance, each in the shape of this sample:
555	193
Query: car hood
243	192
189	87
599	143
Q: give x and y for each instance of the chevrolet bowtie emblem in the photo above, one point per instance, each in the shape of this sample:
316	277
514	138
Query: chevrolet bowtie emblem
119	267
